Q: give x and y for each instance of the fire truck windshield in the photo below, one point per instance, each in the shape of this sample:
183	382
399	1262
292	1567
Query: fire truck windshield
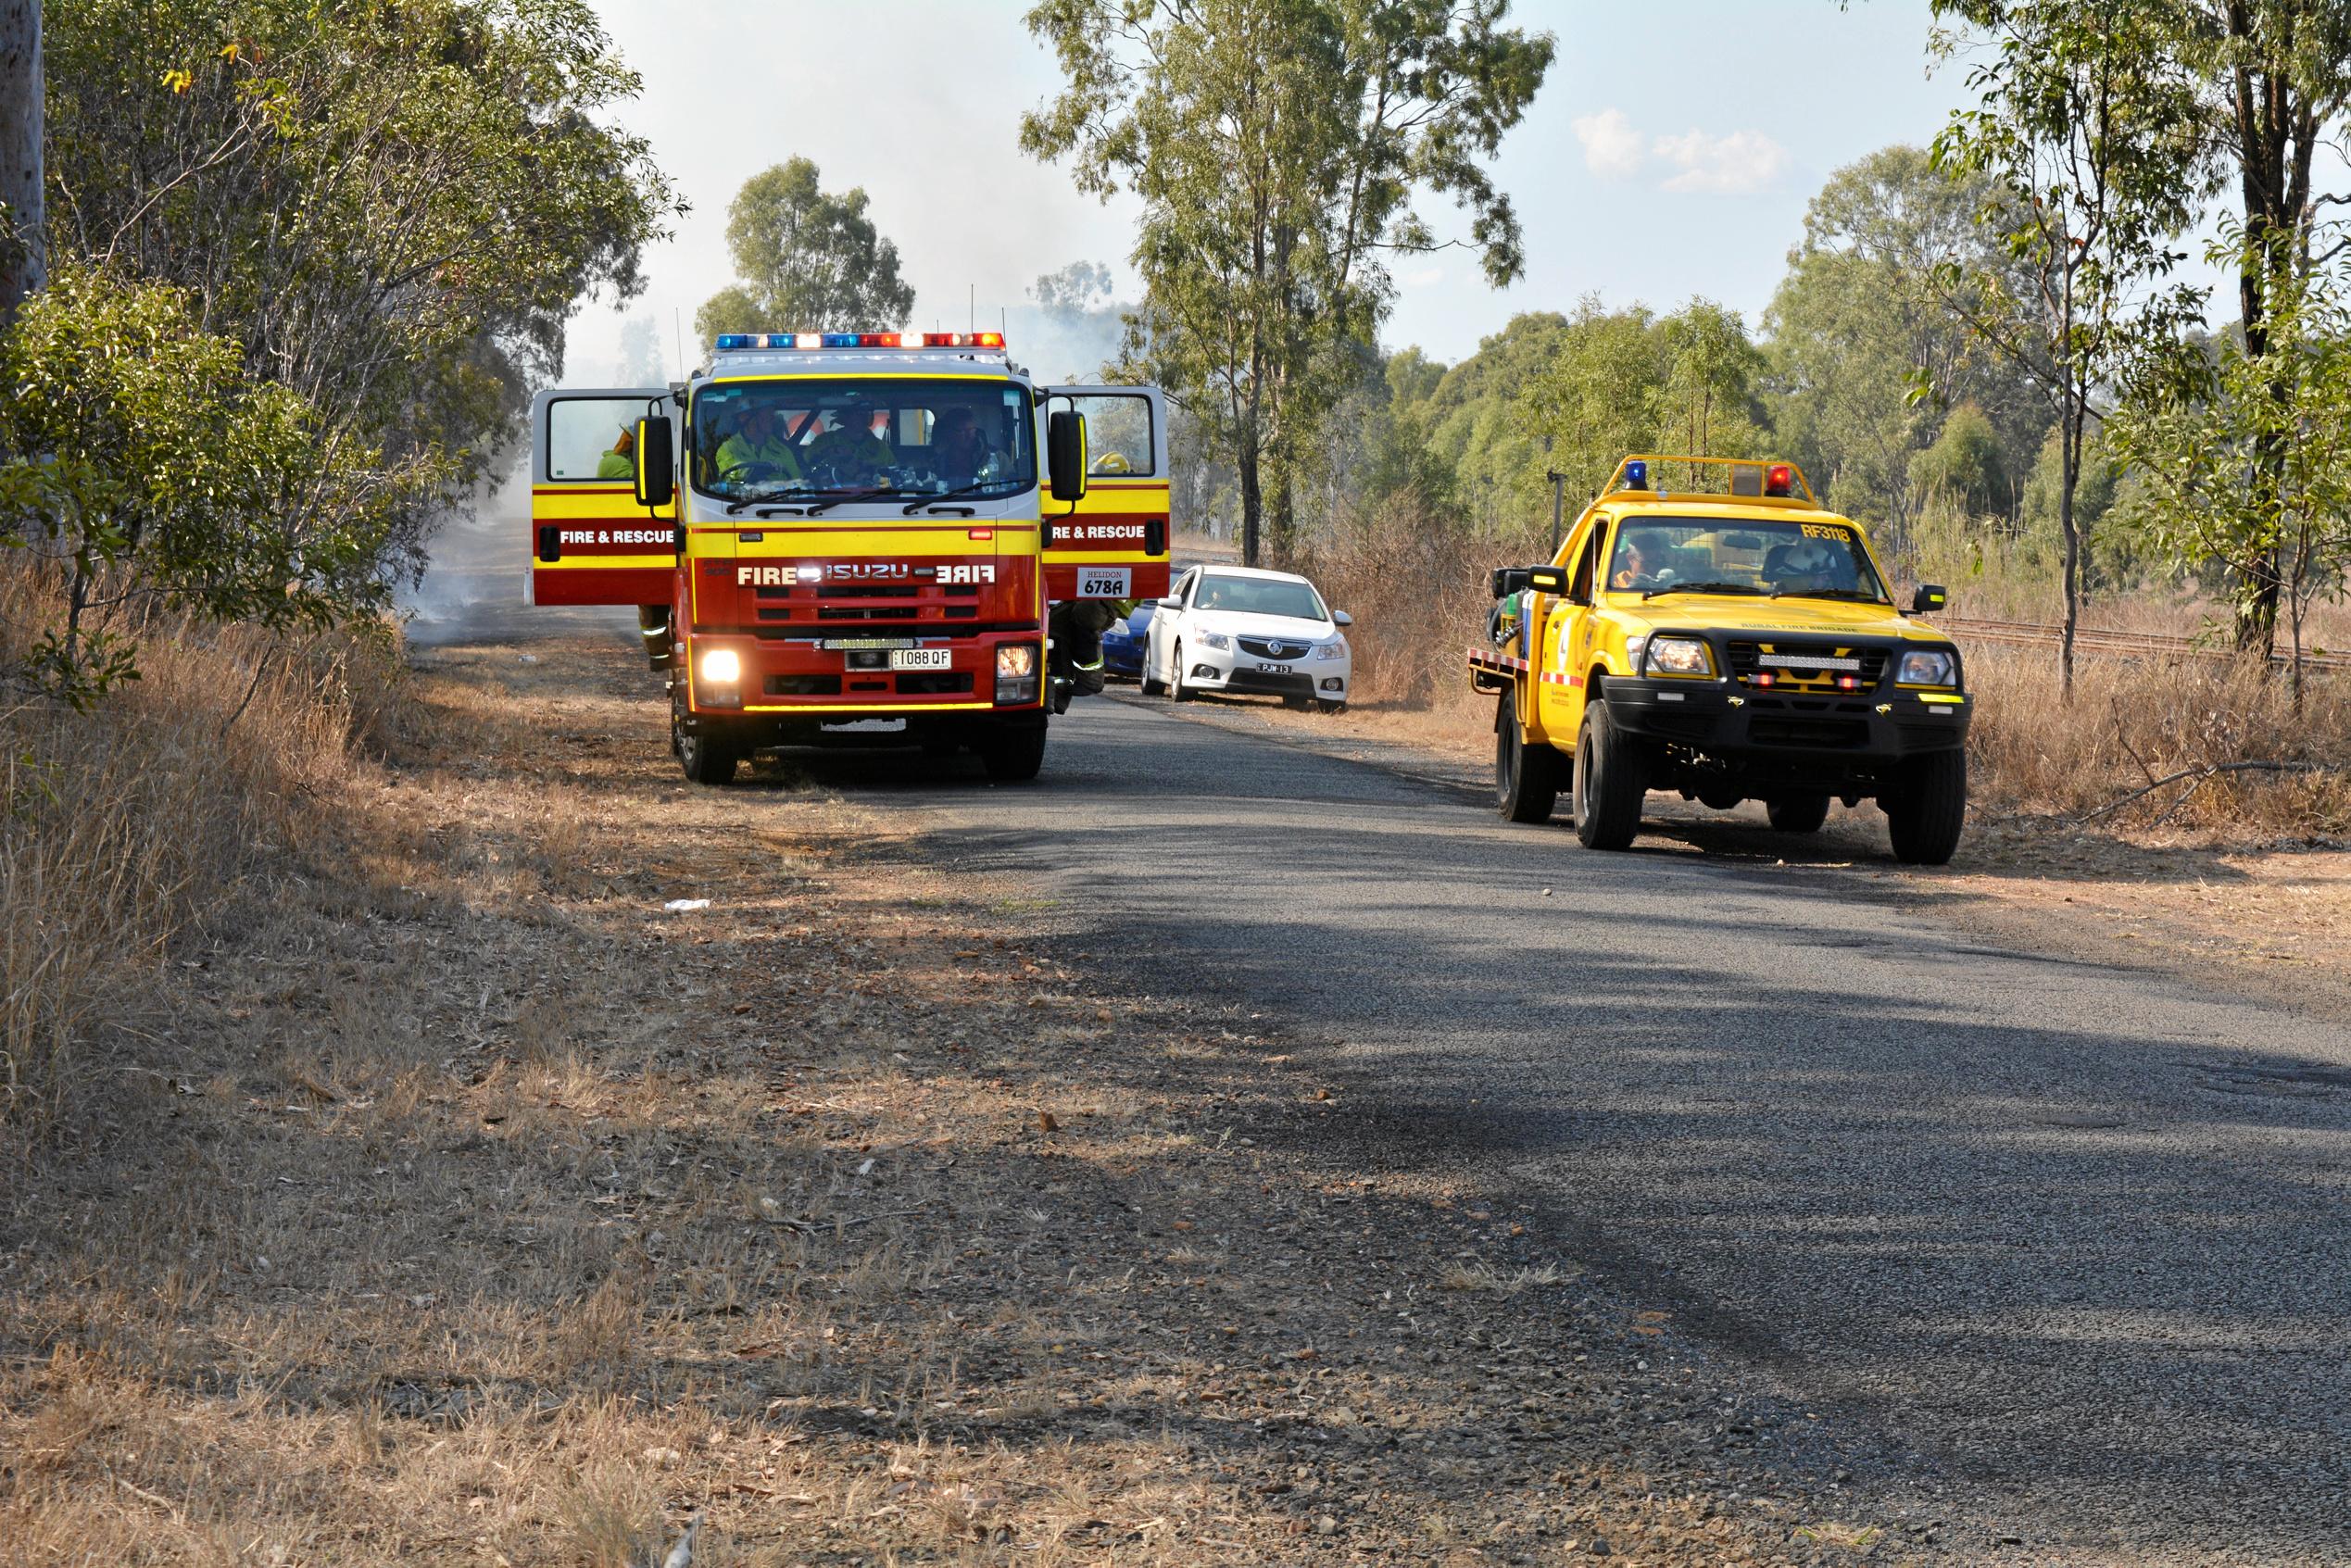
903	436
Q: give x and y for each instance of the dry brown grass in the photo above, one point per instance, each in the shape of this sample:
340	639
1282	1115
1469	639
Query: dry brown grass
123	829
2130	723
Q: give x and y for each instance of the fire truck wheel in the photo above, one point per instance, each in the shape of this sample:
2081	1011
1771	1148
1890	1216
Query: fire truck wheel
1526	778
1176	690
1797	813
707	758
1609	783
1927	815
1013	756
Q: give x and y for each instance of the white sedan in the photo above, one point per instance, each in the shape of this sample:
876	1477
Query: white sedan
1237	629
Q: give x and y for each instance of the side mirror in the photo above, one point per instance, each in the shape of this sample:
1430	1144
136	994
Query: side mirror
656	462
1508	580
1171	602
1930	598
1341	617
1065	454
1547	579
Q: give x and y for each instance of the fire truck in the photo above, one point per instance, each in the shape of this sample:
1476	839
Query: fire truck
852	538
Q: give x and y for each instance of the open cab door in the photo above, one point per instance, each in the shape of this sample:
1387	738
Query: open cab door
591	541
1111	543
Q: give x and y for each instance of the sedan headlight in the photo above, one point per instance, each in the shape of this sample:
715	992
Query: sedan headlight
1216	640
1927	667
1677	656
1335	648
721	667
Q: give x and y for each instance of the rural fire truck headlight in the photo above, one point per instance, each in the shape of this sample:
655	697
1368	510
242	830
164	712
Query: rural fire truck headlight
1677	656
1926	667
721	667
1015	672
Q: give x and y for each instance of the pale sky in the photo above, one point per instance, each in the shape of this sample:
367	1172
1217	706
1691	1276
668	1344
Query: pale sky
1670	152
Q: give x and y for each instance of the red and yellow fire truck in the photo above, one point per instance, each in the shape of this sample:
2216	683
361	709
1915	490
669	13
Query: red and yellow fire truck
850	537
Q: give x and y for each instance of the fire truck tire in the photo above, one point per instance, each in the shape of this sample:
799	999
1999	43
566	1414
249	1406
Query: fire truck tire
1610	783
1013	756
1797	813
1931	806
707	758
1526	778
1176	690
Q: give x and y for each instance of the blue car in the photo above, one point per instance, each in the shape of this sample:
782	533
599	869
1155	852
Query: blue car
1123	643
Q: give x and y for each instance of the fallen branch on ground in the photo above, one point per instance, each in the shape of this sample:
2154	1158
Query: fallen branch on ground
2201	776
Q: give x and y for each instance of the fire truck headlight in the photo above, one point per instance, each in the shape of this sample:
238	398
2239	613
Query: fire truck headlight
721	667
1015	673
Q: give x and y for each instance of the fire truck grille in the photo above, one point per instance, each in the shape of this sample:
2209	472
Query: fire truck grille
803	685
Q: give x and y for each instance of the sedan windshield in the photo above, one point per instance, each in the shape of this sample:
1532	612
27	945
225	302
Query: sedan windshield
1742	556
813	436
1259	596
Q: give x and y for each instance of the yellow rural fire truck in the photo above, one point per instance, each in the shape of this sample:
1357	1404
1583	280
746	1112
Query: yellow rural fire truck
1730	639
852	538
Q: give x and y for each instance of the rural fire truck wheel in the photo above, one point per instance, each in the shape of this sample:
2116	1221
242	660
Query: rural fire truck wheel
1609	784
1176	691
1797	813
707	757
1526	778
1927	815
1013	756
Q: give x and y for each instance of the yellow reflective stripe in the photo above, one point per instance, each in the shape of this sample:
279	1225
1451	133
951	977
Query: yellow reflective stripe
661	563
879	710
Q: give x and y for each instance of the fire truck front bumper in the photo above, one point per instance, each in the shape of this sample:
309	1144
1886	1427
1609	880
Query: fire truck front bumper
845	678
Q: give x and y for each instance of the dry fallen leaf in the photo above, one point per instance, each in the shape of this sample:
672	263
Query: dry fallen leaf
1045	1122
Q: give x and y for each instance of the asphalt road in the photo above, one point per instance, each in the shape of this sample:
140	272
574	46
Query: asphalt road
2070	1242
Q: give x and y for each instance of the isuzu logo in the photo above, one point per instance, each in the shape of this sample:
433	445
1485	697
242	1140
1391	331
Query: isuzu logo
862	571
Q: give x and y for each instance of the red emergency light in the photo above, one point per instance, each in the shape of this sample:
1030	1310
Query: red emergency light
1779	480
962	340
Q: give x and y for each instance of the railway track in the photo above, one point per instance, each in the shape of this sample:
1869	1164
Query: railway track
2125	645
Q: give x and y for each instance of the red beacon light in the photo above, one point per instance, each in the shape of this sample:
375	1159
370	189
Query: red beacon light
1779	480
962	340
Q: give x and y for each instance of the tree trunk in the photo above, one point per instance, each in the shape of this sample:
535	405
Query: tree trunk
1285	530
23	245
1252	499
2070	474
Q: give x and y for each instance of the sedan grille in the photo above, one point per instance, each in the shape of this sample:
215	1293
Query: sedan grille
1275	648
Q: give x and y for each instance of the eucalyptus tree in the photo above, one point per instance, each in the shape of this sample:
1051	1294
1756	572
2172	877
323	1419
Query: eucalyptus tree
2086	126
809	260
1279	148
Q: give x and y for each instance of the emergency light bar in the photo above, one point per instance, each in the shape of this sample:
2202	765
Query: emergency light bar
729	343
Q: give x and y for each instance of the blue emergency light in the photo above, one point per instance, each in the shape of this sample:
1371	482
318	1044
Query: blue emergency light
1636	475
728	342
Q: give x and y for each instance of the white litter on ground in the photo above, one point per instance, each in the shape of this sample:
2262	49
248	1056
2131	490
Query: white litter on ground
684	906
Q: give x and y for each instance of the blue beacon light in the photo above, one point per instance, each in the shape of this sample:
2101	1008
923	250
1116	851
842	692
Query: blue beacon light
1635	476
728	342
